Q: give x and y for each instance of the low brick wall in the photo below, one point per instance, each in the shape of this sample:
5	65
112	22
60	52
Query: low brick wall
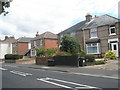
1	60
42	60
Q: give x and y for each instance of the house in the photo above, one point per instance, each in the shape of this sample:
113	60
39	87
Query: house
21	46
97	34
45	40
6	46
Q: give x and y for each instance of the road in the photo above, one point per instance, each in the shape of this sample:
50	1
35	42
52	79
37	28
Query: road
18	77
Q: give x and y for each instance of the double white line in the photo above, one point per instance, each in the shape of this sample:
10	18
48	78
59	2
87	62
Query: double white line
20	73
72	83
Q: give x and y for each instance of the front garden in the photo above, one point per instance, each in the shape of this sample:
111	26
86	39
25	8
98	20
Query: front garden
69	54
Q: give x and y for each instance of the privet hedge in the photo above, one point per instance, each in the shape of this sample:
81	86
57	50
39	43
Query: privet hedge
13	56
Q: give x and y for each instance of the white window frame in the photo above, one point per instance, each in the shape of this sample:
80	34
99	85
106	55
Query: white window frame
110	30
41	43
72	34
35	43
93	30
92	46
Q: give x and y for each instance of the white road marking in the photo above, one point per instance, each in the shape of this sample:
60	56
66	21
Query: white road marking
3	69
20	73
53	83
72	83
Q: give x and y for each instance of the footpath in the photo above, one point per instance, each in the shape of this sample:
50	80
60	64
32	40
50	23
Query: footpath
72	70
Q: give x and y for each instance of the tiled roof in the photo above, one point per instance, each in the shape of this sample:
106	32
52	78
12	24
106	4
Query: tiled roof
95	22
102	20
9	40
46	35
24	39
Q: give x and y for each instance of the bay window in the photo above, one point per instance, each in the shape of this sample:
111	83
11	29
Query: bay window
92	48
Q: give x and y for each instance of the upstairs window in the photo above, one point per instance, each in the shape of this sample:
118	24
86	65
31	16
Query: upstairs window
93	33
41	43
112	30
35	44
72	34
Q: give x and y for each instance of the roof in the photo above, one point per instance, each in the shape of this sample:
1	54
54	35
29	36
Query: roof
8	40
74	28
24	39
102	20
47	35
95	22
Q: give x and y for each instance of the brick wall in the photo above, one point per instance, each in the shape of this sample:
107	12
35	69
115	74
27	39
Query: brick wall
22	47
50	43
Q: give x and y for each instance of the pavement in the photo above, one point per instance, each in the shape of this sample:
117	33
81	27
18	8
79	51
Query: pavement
72	70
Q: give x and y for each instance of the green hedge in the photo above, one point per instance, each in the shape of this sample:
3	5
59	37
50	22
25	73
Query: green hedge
13	56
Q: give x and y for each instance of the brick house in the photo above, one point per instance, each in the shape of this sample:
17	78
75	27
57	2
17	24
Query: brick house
97	34
21	45
6	46
45	40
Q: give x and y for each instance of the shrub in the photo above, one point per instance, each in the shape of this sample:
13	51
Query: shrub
110	55
82	53
13	56
90	58
62	54
70	45
40	51
50	52
100	62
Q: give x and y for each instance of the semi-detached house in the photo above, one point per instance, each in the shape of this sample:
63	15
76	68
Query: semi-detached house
97	34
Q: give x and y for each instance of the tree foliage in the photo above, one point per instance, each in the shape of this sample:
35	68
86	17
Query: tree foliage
70	45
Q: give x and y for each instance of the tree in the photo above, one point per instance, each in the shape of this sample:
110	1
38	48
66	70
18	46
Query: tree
70	45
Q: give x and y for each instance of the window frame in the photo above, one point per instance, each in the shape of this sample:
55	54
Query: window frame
110	28
97	45
94	30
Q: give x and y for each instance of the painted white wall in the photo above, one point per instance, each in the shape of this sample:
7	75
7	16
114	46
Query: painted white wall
5	48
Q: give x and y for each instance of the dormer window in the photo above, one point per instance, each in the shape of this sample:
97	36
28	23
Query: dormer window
93	33
112	30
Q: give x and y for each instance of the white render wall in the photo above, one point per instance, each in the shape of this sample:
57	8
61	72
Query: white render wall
5	48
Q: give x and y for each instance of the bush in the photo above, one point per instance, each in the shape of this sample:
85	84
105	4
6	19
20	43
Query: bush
90	58
51	52
110	55
41	52
62	54
13	56
100	62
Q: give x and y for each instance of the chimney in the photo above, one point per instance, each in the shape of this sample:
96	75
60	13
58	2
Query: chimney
37	34
12	37
6	37
88	17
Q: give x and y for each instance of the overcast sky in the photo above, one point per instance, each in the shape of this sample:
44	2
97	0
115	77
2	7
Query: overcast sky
26	17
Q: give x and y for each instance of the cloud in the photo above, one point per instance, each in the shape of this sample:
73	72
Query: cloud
26	17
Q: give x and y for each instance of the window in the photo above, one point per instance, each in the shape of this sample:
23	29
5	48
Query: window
93	33
112	30
35	44
72	34
41	43
92	48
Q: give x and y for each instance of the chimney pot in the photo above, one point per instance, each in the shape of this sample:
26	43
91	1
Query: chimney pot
88	17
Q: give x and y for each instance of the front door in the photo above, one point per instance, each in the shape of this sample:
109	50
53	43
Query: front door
114	47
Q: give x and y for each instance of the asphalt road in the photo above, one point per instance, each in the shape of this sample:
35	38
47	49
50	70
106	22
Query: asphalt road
18	77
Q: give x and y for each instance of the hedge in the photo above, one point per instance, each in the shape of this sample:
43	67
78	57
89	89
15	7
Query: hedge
13	56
